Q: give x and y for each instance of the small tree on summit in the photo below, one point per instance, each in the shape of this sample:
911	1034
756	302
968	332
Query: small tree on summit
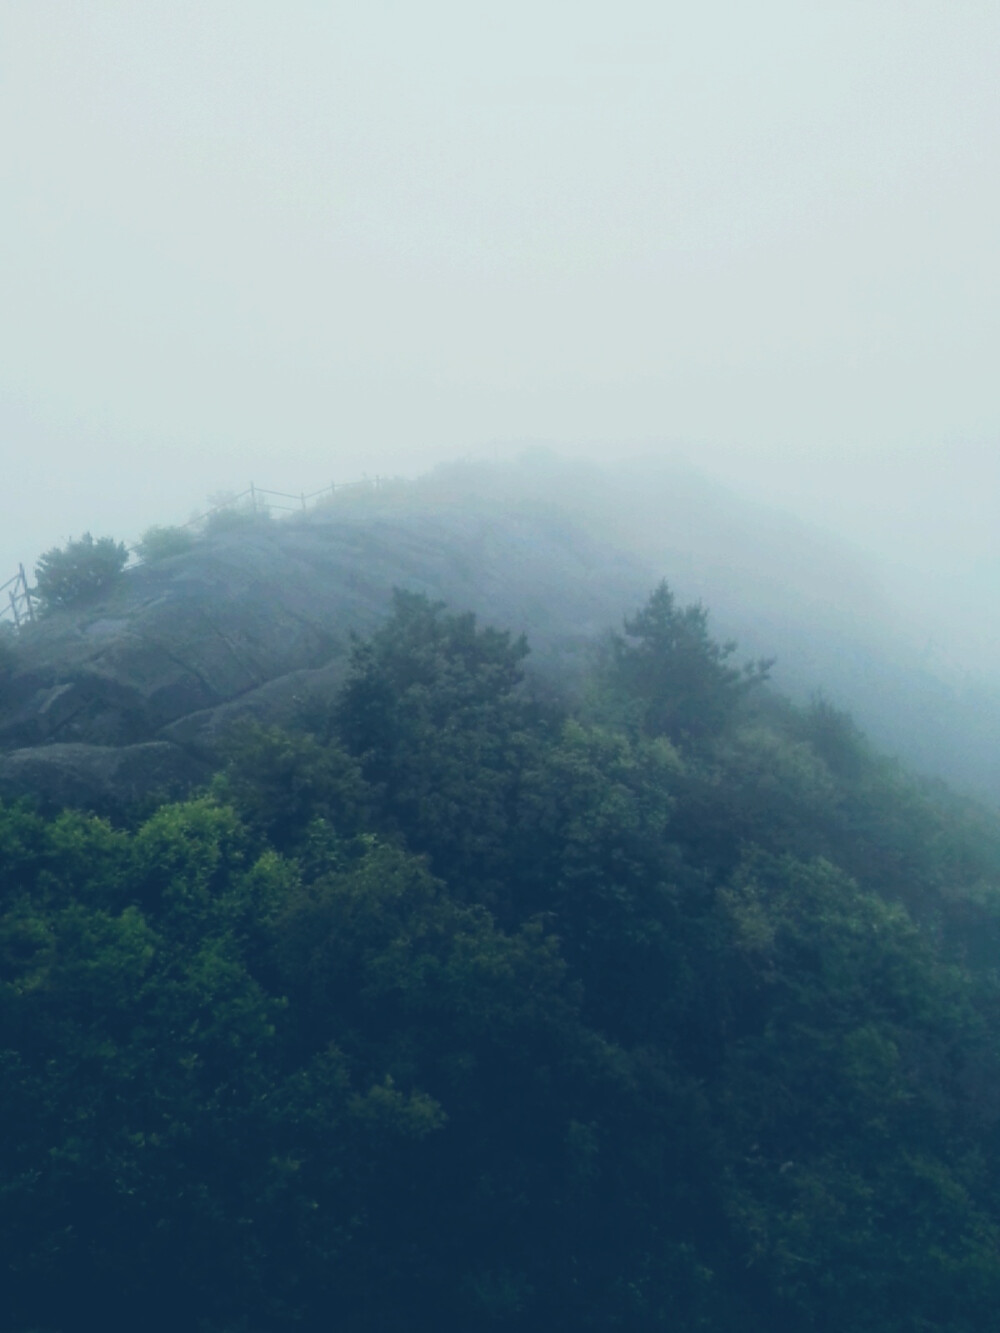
673	677
158	543
79	570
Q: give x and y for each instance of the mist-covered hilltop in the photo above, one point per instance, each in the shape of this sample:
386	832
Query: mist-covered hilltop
555	549
830	613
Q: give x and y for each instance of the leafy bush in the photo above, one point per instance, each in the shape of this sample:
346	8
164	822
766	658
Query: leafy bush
235	517
159	543
230	511
78	571
8	647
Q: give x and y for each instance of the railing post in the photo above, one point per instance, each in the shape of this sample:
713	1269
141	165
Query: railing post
253	498
27	593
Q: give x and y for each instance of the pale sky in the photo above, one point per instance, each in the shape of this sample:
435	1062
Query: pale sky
297	242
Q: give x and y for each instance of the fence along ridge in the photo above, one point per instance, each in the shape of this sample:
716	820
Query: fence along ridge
18	608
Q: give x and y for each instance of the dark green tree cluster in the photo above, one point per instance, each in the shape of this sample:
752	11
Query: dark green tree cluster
456	1010
71	574
160	543
8	647
669	677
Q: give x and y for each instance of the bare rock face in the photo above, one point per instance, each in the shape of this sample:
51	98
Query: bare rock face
174	638
127	697
277	702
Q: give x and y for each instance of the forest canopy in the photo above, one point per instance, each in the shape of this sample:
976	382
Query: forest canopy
457	1007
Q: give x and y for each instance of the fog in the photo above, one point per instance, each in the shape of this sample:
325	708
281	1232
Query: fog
300	243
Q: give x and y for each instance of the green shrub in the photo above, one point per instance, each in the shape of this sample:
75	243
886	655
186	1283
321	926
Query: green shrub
232	512
159	543
8	646
234	519
78	571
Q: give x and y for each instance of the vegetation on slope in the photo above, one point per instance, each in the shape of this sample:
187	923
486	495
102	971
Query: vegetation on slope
78	571
456	1009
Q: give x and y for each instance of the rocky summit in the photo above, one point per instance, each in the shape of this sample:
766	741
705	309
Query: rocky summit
125	697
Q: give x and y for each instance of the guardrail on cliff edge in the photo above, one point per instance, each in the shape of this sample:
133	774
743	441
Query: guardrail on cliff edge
18	603
18	608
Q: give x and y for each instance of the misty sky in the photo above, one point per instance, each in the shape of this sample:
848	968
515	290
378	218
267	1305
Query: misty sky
297	242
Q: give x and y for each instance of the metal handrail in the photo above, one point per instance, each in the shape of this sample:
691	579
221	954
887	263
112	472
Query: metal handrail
17	599
259	490
303	497
216	509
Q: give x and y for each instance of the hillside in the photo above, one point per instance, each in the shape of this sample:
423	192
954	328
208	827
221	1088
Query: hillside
659	1003
553	549
124	695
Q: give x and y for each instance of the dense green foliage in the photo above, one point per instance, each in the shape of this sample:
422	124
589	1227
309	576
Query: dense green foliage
8	647
68	575
235	517
454	1010
159	543
669	677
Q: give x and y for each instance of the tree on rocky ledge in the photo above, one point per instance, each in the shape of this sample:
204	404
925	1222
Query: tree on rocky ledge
78	571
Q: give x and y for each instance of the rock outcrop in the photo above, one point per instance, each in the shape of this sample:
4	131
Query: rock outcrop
126	697
255	619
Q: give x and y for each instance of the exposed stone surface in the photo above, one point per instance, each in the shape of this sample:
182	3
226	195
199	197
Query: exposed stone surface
129	694
277	702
